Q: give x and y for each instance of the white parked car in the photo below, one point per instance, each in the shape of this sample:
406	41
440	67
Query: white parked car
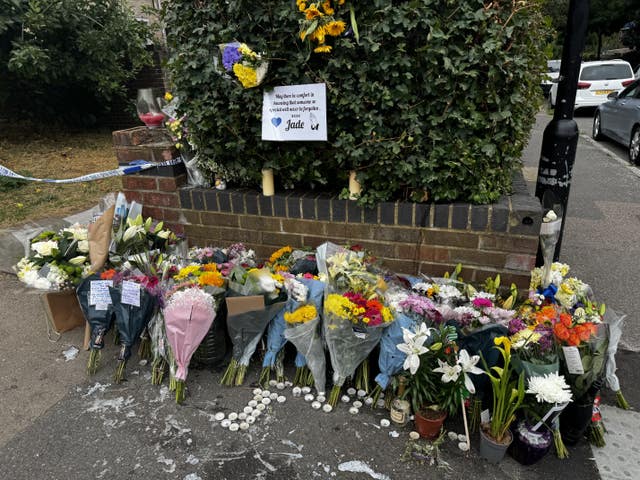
596	81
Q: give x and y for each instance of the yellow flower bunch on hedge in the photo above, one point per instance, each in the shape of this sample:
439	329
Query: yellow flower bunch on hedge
319	23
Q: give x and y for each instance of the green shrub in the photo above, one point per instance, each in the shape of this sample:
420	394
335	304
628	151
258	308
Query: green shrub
65	60
430	99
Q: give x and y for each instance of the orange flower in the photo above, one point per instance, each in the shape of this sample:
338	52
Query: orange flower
211	278
312	12
583	332
108	274
566	320
574	339
210	267
561	332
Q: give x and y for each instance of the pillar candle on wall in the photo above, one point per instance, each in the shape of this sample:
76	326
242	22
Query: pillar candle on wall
267	182
354	186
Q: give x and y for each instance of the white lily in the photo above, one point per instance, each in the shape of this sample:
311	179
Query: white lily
413	347
468	364
132	231
450	373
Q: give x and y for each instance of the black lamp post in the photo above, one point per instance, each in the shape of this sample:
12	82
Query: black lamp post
560	137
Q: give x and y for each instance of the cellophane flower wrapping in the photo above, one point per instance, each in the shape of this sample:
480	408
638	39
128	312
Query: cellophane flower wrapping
306	336
130	320
549	235
188	315
99	318
615	321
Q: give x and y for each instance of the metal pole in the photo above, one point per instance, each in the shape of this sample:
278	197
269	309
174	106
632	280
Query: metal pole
560	137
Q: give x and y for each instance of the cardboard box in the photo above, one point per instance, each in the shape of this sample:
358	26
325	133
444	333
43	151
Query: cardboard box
63	311
238	305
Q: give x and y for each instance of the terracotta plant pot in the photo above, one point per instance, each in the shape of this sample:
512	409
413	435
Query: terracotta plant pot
490	449
429	422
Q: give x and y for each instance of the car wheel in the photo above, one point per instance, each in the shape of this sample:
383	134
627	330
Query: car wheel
596	132
634	146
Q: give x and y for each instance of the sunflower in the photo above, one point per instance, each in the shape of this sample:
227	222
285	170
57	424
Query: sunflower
335	28
322	49
326	6
312	12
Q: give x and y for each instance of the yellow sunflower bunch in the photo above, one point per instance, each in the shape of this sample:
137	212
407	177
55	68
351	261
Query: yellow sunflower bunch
319	23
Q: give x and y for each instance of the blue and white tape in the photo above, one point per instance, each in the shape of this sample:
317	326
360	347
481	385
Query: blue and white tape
132	167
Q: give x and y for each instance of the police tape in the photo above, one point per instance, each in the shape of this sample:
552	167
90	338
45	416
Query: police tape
132	167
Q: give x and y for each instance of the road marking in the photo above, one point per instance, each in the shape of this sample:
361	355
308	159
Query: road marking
622	161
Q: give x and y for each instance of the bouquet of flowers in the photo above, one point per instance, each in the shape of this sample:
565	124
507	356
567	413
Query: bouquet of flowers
352	329
302	322
188	315
57	261
296	262
247	66
320	23
135	235
547	395
246	328
133	298
411	312
297	292
533	342
95	301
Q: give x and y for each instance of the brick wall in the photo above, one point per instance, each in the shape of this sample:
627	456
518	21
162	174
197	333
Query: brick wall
410	238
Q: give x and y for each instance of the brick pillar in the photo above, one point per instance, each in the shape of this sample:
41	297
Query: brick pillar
155	188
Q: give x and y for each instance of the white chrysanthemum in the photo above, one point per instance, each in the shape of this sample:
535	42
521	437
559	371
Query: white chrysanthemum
56	276
422	287
448	292
488	295
536	278
78	231
45	248
550	388
394	298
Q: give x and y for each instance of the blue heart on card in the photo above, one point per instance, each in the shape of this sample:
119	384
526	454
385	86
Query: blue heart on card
276	121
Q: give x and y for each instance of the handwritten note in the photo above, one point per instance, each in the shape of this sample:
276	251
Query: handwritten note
99	293
573	360
130	293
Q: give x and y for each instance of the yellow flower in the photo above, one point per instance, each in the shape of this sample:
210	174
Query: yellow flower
322	49
326	6
340	2
505	342
302	315
335	28
318	35
312	12
186	271
209	267
247	75
279	253
246	51
302	6
168	97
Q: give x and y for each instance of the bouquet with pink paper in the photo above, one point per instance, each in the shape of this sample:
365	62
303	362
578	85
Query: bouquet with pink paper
188	315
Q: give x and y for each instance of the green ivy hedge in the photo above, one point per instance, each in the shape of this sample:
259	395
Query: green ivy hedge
430	99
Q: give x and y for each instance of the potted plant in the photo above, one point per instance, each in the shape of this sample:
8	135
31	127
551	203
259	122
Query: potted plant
438	380
508	394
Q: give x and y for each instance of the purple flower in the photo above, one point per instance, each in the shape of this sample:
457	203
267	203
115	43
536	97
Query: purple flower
231	55
515	325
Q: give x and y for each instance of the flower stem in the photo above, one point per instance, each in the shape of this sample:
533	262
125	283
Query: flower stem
561	450
157	371
94	361
595	434
118	376
621	401
375	395
334	396
180	391
230	373
309	381
265	375
144	350
240	373
474	414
